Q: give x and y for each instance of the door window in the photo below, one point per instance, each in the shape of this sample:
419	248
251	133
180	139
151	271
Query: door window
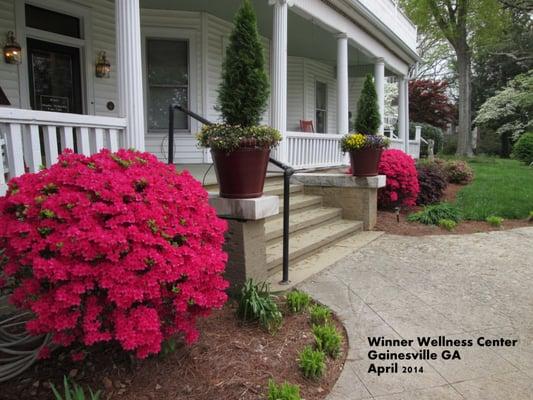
168	81
321	95
51	21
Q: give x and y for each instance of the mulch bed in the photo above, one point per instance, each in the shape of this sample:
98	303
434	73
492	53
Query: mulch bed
231	360
387	221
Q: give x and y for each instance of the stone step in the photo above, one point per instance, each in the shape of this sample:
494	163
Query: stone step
305	243
300	221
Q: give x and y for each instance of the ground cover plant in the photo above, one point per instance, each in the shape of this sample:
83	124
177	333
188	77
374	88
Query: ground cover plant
284	391
298	301
494	220
319	314
501	187
447	224
328	339
256	303
116	248
431	215
73	391
312	362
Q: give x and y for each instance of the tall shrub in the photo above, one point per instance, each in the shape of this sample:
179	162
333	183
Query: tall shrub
523	148
432	182
114	247
368	117
243	93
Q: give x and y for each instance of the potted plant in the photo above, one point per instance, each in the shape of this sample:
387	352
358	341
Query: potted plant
240	146
365	146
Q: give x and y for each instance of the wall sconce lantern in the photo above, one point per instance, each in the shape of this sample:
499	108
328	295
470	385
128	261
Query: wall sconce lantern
12	50
103	68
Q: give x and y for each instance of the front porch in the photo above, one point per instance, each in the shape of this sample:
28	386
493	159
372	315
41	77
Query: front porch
316	57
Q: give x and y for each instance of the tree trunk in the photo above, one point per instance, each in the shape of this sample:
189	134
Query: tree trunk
464	140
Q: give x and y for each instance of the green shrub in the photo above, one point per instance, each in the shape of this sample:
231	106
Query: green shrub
523	148
530	218
431	215
447	224
298	301
312	363
459	172
327	339
449	146
75	392
494	220
320	315
368	119
285	391
428	132
257	304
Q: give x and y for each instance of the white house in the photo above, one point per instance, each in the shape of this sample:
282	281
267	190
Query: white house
164	51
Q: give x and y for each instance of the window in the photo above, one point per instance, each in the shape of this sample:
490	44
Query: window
321	94
51	21
168	81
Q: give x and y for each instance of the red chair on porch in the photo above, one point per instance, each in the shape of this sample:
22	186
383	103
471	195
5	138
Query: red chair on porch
307	126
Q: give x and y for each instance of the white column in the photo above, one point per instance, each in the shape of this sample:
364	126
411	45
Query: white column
129	67
402	98
406	117
379	78
342	84
279	75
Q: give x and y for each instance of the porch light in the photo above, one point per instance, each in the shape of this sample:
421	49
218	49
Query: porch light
12	50
103	68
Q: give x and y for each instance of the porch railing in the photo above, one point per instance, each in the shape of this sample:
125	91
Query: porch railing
311	150
31	139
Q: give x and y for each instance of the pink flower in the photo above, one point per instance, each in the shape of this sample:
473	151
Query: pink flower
113	247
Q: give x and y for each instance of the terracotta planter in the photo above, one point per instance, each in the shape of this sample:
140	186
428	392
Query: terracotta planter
241	173
365	162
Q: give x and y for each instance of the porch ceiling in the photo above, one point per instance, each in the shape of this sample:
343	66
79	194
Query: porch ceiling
306	38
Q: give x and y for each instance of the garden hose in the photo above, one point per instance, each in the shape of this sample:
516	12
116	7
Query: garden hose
18	349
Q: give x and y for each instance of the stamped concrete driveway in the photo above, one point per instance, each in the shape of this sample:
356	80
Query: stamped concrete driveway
461	287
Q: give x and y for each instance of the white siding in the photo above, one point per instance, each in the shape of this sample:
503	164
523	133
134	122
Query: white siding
9	75
186	149
295	93
218	32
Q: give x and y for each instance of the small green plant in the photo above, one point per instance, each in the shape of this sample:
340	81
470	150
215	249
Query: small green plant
447	224
298	301
75	392
284	391
530	218
312	363
327	339
320	315
494	220
431	215
257	304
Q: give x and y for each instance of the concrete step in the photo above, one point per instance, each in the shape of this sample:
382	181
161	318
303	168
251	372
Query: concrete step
305	243
300	221
302	201
276	189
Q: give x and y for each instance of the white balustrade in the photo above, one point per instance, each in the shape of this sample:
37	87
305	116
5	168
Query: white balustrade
32	139
312	150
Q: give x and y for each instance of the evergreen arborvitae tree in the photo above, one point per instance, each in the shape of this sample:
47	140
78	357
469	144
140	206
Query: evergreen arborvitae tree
243	93
368	117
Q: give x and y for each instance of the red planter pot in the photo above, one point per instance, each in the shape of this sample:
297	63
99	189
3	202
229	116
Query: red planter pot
365	162
241	173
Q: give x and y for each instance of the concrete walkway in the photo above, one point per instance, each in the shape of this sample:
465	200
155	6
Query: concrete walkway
464	287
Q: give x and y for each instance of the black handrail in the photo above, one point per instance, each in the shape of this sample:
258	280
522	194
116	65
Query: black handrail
288	171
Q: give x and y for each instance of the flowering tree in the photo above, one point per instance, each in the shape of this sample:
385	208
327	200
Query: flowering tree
114	247
429	103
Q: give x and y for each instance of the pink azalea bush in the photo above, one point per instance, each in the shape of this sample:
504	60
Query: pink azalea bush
402	180
114	247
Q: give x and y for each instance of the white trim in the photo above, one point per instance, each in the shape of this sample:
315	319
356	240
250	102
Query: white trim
84	14
204	19
29	117
178	34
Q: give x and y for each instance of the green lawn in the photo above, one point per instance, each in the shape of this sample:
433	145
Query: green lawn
501	187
